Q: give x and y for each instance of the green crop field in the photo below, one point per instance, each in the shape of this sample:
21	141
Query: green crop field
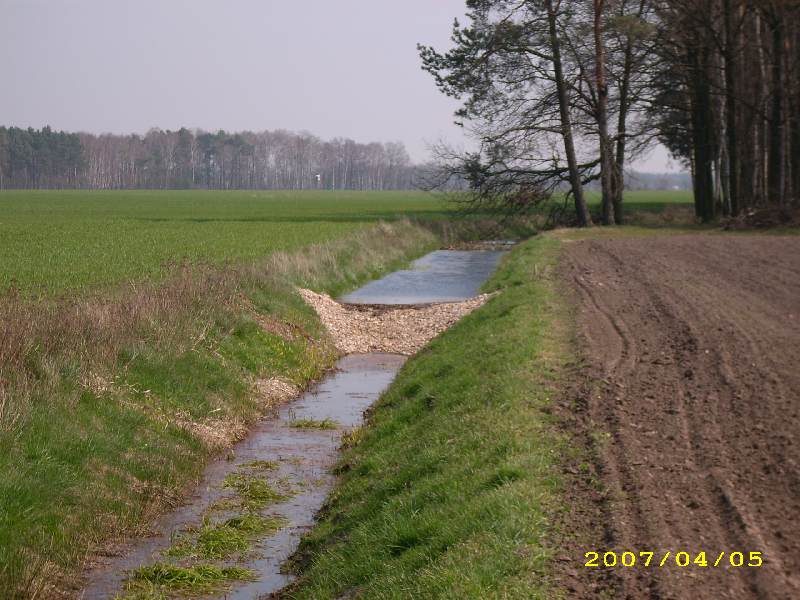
56	241
649	200
65	241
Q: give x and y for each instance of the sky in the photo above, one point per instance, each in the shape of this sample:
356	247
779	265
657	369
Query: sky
335	68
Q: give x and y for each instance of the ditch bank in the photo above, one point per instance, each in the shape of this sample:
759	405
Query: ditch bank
277	479
454	489
113	403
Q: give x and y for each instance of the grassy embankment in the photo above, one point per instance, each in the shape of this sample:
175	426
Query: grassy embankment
112	401
450	488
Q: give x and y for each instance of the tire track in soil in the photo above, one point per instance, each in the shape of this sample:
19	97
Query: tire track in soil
691	343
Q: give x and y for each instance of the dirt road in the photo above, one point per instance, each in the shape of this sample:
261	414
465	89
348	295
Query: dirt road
693	344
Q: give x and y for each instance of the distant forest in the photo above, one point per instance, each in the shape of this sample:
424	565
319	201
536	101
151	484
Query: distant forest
41	159
192	159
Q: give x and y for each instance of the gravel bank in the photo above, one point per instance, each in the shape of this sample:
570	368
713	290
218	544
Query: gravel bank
403	330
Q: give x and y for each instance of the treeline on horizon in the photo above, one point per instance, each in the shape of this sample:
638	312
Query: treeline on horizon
190	159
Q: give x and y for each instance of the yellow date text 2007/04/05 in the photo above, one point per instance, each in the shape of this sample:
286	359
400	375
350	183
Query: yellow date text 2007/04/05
683	559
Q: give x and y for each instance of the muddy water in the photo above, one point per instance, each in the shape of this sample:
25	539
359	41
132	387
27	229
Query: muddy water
441	276
304	458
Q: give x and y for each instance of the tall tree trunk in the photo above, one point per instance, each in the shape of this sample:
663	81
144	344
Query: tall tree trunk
761	162
776	120
794	105
581	210
702	124
606	162
793	110
618	179
725	178
731	108
795	135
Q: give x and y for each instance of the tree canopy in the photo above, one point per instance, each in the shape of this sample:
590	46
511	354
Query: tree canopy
560	93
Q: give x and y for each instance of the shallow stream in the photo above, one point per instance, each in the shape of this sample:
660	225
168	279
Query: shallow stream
302	458
441	276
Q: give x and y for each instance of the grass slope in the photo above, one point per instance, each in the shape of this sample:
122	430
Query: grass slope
106	405
447	491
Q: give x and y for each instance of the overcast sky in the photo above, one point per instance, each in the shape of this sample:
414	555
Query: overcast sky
344	68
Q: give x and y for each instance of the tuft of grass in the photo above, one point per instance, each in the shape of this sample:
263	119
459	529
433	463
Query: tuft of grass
194	580
224	540
457	500
352	438
314	424
261	465
254	492
213	542
255	524
224	505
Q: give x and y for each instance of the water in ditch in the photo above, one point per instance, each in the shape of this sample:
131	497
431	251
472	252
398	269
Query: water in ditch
441	276
303	457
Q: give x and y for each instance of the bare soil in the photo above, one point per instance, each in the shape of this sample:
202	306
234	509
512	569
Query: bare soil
690	392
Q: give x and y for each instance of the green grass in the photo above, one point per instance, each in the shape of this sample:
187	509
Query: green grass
314	424
154	580
254	492
223	540
57	241
104	429
450	489
54	242
648	200
648	208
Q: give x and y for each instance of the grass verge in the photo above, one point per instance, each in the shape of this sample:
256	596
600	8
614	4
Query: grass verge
450	491
111	405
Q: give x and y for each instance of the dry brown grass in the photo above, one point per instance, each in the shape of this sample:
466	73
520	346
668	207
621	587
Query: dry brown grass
39	339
